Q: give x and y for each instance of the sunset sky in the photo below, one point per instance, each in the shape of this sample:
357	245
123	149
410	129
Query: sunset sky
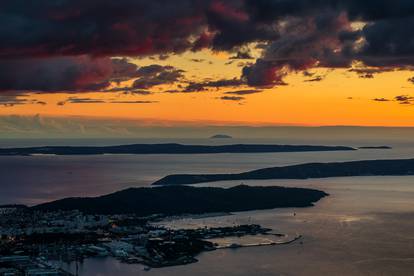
264	62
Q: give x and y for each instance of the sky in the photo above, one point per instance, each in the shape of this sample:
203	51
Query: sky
209	62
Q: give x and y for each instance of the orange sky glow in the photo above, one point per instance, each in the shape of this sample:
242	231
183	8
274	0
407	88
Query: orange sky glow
341	98
238	62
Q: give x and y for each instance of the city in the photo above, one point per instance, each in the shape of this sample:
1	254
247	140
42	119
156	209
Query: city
36	242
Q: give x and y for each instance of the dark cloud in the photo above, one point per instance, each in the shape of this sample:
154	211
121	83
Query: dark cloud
401	99
203	86
306	42
12	100
197	60
264	74
133	102
173	91
123	70
244	92
315	79
232	98
81	74
268	10
404	99
67	45
55	74
138	92
381	100
54	46
308	74
231	24
319	34
243	53
127	90
366	76
124	27
388	43
163	57
76	100
104	28
127	27
155	74
369	73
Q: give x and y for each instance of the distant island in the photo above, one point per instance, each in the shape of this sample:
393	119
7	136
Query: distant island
221	136
165	149
177	200
375	147
302	171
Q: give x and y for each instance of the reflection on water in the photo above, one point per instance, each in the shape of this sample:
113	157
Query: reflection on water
36	179
365	226
251	241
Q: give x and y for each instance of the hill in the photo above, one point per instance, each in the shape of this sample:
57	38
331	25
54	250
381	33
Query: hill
176	200
303	171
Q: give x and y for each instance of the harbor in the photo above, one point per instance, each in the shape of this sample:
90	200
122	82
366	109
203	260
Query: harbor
42	243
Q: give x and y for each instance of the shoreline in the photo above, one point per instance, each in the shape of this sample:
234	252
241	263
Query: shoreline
170	148
391	167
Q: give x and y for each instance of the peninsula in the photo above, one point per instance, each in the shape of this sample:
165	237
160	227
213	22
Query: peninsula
178	200
302	171
375	147
171	148
121	225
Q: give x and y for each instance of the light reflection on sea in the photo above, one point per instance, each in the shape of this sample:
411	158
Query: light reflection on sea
354	231
36	179
365	226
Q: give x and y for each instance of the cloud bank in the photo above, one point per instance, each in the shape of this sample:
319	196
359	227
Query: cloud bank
70	45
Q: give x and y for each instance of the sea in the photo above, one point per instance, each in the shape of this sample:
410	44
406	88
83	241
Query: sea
364	227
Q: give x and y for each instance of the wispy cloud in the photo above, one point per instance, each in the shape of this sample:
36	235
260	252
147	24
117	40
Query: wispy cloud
76	100
232	98
244	92
12	100
381	100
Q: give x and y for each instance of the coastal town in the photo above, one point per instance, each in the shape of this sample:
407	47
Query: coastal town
37	242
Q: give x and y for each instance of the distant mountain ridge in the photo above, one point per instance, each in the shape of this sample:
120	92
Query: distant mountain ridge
171	148
302	171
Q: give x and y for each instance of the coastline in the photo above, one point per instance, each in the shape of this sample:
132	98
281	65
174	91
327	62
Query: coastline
169	148
392	167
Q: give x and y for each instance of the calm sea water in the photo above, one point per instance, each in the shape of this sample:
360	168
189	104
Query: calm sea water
365	226
36	179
